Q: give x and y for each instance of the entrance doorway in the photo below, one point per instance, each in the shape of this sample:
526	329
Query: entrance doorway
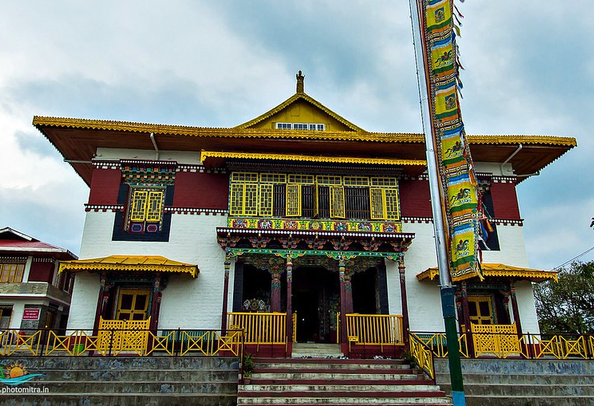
316	300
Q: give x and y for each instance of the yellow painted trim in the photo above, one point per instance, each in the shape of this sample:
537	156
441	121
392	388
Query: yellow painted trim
310	158
129	263
238	132
497	270
293	99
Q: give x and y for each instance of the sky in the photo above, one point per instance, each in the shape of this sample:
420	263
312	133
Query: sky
528	69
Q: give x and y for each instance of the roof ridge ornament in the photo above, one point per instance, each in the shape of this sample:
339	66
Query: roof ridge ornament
300	84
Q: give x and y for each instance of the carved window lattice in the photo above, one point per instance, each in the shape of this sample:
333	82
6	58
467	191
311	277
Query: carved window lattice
337	209
293	200
384	204
146	205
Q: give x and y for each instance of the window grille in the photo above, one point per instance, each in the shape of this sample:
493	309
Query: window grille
301	179
337	202
273	178
356	181
328	180
244	177
385	182
293	200
11	273
265	200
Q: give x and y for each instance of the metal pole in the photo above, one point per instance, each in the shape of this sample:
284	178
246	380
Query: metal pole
446	288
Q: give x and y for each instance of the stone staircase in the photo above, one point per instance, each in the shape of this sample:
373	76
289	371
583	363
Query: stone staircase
541	382
331	381
122	381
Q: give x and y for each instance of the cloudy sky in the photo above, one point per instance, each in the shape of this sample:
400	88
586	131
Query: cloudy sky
529	69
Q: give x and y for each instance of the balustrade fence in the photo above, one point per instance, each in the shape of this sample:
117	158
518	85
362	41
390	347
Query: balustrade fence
122	341
500	341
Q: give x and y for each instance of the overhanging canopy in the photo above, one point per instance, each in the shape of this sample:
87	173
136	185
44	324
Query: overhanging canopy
130	263
498	270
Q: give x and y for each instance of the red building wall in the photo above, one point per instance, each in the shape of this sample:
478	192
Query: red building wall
415	198
41	272
201	190
505	201
104	186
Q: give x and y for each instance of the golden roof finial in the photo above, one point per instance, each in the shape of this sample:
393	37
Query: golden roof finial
300	86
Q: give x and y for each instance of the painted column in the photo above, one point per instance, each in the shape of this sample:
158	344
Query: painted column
343	304
275	293
289	268
514	300
102	301
467	322
403	298
156	303
225	296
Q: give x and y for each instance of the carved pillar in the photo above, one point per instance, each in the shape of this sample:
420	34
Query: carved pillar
102	301
466	318
514	300
275	291
225	296
156	303
289	268
343	302
403	298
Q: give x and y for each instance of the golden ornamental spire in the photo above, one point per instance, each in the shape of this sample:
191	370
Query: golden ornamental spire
300	86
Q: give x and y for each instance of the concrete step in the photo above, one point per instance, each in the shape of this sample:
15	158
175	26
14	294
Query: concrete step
544	379
338	382
343	401
337	387
499	389
324	375
528	400
121	399
139	387
136	375
316	350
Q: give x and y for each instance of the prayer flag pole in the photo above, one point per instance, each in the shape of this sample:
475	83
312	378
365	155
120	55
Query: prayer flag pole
438	207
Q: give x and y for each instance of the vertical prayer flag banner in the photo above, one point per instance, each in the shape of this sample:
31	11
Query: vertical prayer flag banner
455	169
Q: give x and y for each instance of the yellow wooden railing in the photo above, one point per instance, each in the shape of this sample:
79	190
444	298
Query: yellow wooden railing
422	354
117	342
375	329
500	340
261	328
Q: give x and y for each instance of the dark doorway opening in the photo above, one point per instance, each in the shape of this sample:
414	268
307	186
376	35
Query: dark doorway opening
316	300
366	298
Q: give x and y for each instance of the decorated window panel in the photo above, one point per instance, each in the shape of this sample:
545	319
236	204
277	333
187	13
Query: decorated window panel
377	203
356	202
145	211
391	204
265	200
293	200
337	207
356	181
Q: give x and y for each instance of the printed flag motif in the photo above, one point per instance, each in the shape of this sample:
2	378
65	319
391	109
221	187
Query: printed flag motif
453	155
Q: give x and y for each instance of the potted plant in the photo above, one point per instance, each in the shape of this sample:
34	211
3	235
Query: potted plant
247	368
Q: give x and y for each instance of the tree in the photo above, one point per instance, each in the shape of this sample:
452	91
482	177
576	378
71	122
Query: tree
567	306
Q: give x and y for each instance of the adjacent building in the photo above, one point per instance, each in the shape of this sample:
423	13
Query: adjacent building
33	295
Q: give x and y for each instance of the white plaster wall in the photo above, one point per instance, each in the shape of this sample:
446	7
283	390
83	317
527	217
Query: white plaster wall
527	307
83	305
512	250
18	308
424	300
186	302
182	157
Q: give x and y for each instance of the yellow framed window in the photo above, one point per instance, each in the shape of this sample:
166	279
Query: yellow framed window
293	200
243	199
133	304
384	204
11	273
146	205
337	208
265	199
480	309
